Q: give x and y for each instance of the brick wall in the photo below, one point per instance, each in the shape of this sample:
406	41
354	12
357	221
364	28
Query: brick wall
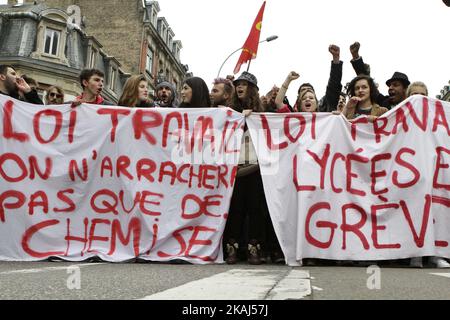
116	24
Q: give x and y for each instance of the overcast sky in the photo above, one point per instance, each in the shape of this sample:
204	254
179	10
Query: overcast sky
410	36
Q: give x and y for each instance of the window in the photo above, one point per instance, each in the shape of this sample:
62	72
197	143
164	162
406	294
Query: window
154	18
51	41
163	33
149	63
112	79
93	58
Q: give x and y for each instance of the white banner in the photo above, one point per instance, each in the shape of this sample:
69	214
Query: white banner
358	191
114	182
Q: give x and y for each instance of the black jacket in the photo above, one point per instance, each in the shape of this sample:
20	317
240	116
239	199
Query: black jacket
30	97
331	99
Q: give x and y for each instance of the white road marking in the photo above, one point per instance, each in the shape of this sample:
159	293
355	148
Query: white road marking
242	284
447	275
27	271
295	286
317	288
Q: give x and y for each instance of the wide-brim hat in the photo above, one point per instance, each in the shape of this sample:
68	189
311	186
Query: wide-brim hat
403	78
247	76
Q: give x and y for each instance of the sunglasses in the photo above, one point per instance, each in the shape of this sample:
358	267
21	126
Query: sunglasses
53	94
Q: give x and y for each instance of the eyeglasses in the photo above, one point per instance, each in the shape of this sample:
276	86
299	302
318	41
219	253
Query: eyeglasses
53	94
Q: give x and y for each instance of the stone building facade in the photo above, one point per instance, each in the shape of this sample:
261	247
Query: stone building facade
51	46
133	32
445	93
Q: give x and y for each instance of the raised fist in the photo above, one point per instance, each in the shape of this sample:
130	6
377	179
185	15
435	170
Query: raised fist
354	50
293	76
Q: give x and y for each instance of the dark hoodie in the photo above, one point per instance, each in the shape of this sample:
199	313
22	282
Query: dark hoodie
30	97
173	103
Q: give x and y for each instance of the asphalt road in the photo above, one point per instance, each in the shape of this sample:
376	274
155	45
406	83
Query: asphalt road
129	281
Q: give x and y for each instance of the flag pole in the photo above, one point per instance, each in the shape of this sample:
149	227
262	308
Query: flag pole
249	62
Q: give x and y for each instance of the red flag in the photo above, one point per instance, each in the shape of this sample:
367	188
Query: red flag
250	47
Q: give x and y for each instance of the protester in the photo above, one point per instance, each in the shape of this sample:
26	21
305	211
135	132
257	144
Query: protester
342	102
331	99
397	84
417	88
305	86
195	94
362	93
135	93
268	100
34	85
247	217
55	95
222	93
306	101
11	84
334	87
247	93
91	81
166	96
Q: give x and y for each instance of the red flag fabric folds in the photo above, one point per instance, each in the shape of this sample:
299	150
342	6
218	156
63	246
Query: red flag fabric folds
250	47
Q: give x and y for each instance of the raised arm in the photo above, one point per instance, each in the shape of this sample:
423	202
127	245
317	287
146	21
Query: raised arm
357	61
284	87
334	86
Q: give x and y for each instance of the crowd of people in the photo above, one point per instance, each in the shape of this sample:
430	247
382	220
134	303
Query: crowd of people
249	232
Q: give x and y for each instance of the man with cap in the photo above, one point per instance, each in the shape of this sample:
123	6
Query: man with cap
397	84
166	95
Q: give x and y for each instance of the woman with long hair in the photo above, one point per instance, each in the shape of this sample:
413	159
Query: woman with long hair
248	222
135	93
55	95
195	94
363	94
247	94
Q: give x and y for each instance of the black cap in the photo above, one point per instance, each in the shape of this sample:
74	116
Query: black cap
403	78
247	76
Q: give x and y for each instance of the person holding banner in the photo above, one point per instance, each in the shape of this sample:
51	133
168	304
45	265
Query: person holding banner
135	93
363	93
195	94
91	81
